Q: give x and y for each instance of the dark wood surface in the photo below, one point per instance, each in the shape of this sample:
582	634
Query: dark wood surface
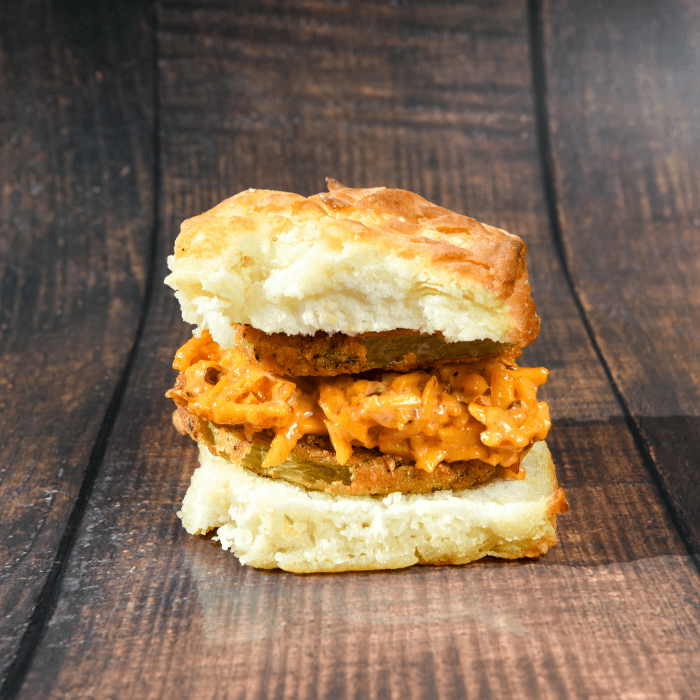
574	125
626	152
76	216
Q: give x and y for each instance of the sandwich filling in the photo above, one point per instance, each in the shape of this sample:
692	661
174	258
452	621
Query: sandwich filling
481	412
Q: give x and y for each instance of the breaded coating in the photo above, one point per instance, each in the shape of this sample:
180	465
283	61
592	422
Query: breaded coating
312	463
324	354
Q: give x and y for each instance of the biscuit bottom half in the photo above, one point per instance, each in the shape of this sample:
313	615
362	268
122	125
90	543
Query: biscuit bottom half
274	524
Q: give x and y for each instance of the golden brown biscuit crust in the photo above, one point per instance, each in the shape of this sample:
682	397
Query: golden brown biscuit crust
395	222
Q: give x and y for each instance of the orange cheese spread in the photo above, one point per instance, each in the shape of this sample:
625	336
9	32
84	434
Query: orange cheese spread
486	410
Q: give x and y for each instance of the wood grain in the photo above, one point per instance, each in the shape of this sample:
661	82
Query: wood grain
436	98
75	217
623	104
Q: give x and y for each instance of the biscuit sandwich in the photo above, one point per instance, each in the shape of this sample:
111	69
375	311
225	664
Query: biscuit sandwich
352	384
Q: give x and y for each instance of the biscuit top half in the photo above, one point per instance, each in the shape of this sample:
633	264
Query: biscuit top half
350	261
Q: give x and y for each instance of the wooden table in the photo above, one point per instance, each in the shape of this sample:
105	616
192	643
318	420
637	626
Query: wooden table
575	125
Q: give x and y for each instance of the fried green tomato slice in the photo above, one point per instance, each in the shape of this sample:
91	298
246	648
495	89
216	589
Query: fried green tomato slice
312	463
325	354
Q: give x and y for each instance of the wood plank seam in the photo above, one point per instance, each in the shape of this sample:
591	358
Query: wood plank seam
47	600
539	86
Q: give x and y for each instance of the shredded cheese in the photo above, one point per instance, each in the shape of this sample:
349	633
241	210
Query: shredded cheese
486	410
